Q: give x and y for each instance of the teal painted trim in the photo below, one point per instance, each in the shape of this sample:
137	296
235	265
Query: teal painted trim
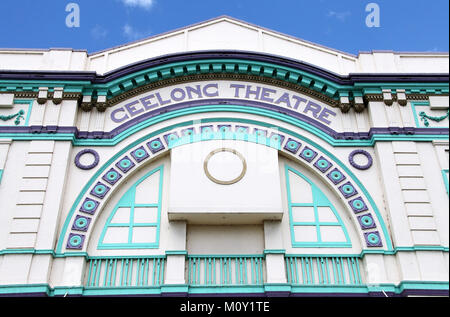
384	252
319	200
220	108
27	251
134	290
347	289
128	201
262	112
274	251
175	288
25	288
125	83
425	285
337	161
33	85
106	257
181	252
217	289
1	175
176	252
191	289
444	176
30	107
204	256
64	291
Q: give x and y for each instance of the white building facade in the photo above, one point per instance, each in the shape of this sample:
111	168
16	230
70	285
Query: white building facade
223	158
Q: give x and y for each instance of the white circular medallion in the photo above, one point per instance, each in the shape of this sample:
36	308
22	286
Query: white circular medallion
225	166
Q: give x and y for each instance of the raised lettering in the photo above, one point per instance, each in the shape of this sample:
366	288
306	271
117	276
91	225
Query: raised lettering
265	93
132	110
324	114
236	91
145	101
211	94
314	108
196	90
114	115
298	100
162	102
180	91
284	98
249	92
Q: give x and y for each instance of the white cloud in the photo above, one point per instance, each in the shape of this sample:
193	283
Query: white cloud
341	16
98	32
131	33
145	4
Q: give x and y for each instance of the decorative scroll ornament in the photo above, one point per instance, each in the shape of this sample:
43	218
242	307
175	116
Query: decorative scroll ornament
424	117
18	116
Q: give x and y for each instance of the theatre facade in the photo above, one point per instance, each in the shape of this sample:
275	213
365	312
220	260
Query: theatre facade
223	159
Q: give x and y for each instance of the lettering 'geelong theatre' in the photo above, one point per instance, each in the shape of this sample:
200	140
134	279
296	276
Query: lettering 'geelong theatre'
185	165
277	97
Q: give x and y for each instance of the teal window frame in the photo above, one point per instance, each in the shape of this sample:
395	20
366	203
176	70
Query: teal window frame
445	176
319	200
128	201
1	175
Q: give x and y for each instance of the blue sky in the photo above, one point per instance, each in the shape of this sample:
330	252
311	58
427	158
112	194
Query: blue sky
405	25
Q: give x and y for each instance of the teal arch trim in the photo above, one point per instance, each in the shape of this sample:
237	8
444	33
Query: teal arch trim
319	200
128	201
254	122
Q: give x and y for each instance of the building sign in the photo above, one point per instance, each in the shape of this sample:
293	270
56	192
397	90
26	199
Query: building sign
275	96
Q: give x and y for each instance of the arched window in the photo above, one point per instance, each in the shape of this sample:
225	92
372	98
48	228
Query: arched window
135	220
314	221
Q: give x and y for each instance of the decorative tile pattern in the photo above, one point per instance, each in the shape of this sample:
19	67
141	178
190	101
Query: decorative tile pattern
81	223
373	239
89	206
155	145
125	164
358	205
322	164
366	221
348	190
308	154
139	154
336	176
292	145
75	241
100	190
112	176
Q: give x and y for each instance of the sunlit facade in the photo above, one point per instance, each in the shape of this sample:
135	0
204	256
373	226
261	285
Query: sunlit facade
223	158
